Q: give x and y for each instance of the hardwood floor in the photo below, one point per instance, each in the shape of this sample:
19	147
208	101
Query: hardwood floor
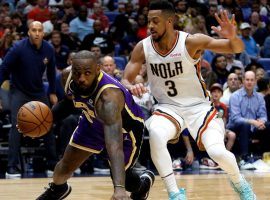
199	187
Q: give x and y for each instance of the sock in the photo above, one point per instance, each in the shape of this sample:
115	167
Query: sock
61	187
170	183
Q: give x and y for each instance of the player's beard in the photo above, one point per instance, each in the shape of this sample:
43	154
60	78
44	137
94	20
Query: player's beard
86	91
158	39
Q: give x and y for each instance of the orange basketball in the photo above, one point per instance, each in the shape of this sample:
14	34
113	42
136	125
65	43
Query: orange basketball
34	119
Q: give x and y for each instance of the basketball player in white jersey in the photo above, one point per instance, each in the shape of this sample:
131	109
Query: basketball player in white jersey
173	69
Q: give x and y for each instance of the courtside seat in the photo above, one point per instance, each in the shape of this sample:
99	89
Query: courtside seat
265	62
111	15
120	62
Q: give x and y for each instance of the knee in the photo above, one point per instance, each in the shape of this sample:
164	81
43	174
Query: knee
156	138
218	155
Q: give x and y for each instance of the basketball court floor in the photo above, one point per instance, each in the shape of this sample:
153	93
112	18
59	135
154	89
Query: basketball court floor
206	186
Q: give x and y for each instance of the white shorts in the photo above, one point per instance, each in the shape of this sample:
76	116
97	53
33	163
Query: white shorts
195	118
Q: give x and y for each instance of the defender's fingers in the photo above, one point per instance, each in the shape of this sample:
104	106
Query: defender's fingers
217	18
226	18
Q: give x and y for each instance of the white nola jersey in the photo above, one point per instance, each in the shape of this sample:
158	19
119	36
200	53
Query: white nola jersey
174	78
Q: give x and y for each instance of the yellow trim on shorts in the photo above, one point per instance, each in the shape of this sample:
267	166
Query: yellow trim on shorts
71	143
132	115
133	139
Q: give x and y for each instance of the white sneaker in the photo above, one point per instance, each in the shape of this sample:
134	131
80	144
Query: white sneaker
177	165
246	165
49	173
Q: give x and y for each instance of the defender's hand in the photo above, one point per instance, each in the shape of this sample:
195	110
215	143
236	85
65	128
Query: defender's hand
138	89
227	27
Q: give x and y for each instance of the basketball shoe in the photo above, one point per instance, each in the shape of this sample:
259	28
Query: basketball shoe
55	192
181	195
13	173
244	190
147	180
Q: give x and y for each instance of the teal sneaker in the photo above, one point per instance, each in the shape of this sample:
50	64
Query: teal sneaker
181	195
244	190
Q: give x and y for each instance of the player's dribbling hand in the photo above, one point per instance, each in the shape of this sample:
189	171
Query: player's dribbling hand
18	128
138	89
120	194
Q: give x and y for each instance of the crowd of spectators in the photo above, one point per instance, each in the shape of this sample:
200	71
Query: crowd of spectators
111	28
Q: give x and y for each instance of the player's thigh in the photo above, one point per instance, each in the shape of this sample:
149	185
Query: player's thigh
163	127
214	133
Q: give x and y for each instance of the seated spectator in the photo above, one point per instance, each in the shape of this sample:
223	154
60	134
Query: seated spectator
98	38
216	93
253	66
231	61
107	64
208	75
233	85
261	34
219	64
183	163
98	14
239	72
18	24
96	50
250	45
142	31
71	41
67	13
255	22
81	25
40	13
61	51
247	116
266	48
260	73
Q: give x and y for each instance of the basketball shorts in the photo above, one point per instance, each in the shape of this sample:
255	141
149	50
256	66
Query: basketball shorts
195	118
90	137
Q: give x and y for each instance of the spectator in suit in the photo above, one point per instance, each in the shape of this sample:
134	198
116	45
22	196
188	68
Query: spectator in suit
25	63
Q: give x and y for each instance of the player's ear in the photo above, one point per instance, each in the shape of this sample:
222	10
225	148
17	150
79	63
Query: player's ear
98	67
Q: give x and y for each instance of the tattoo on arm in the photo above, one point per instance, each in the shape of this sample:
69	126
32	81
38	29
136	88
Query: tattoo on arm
109	108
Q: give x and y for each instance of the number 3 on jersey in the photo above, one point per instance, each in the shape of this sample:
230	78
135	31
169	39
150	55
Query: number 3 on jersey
172	90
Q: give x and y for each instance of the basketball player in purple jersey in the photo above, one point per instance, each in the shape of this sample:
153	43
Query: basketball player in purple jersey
110	121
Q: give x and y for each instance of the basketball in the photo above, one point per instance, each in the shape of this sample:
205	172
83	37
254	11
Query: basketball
34	119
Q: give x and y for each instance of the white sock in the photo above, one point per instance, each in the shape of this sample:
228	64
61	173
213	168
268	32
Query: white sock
170	183
161	130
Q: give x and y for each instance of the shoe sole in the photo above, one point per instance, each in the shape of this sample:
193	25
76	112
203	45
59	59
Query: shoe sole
101	170
66	193
13	176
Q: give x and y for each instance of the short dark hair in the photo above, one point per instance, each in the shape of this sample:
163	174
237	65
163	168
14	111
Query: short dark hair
84	54
232	70
163	5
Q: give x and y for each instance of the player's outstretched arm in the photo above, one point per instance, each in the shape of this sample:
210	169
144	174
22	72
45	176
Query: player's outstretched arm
109	107
132	70
227	30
